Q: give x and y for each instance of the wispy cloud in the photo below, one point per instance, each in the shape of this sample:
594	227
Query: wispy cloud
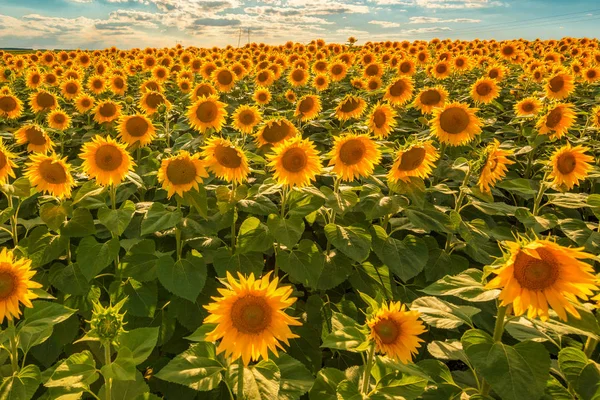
385	24
435	20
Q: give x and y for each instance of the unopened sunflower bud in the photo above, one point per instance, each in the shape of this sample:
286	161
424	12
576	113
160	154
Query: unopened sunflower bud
107	322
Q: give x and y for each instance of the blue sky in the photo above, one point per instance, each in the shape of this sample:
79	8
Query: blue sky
139	23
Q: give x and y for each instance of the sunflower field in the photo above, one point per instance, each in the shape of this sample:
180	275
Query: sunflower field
391	220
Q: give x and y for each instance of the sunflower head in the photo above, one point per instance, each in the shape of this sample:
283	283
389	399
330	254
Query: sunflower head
107	111
396	331
225	160
430	98
42	101
350	107
570	165
354	156
136	128
413	160
295	162
203	89
455	124
15	284
35	137
485	90
224	79
206	113
58	119
399	92
10	106
275	131
495	163
7	165
250	317
106	160
557	121
308	107
245	118
528	107
382	120
262	96
181	173
559	86
540	274
298	77
50	174
152	100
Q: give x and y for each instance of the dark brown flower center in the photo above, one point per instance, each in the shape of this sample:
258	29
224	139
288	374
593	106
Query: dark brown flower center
251	314
8	282
136	126
8	104
557	83
207	112
430	97
153	100
352	151
454	120
294	159
412	159
225	77
483	89
566	163
350	105
387	330
35	136
306	105
276	132
181	171
53	172
45	100
536	274
554	118
108	157
228	157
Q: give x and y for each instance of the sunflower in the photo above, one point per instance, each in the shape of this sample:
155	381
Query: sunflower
591	74
206	113
33	79
15	285
106	160
7	164
321	82
203	89
70	89
416	160
224	79
485	90
275	131
557	121
107	111
225	160
430	98
58	119
262	96
441	70
455	124
42	101
136	128
250	318
396	331
245	118
496	72
184	85
160	73
10	106
570	165
290	96
528	107
495	166
181	173
374	84
84	103
382	120
338	71
96	84
350	107
298	77
50	174
118	85
354	156
399	92
295	162
407	68
36	138
560	86
264	78
151	100
540	274
308	107
595	116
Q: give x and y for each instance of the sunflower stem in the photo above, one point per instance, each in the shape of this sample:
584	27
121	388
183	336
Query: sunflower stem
240	385
167	133
233	190
590	346
461	196
283	200
13	221
113	196
498	331
367	372
178	232
14	350
107	361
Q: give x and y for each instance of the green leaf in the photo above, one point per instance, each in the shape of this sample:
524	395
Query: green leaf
515	372
69	279
22	385
246	264
442	314
253	236
520	185
348	390
80	225
88	189
326	383
116	221
141	298
286	231
406	258
196	368
303	203
257	205
467	286
197	199
128	390
121	368
340	202
5	214
93	257
140	262
413	189
261	381
19	188
303	265
53	215
408	387
42	316
77	371
429	219
353	241
140	342
346	334
295	378
184	278
582	374
158	218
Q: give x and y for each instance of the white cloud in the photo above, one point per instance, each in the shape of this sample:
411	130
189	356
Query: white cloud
453	4
385	24
434	20
392	3
425	30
